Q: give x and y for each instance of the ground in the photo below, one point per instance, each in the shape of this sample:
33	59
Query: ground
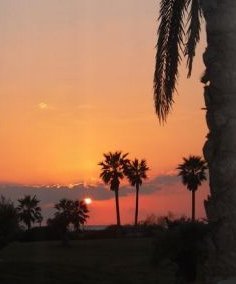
105	261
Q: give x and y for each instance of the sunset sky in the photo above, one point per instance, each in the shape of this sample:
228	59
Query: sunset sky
76	82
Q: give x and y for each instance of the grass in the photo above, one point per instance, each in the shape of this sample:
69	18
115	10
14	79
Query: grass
87	261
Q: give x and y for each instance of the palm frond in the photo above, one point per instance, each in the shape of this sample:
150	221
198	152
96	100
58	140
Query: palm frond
169	45
193	33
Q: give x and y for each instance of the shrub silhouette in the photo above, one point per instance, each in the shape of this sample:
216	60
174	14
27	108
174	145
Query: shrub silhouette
183	244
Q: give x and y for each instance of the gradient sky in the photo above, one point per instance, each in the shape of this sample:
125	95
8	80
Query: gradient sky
75	82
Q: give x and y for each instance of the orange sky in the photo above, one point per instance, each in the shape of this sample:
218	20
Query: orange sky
75	82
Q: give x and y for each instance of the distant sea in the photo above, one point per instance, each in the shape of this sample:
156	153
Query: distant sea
95	227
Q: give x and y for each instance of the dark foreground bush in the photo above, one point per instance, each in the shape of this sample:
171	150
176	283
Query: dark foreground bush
45	233
141	230
182	246
8	221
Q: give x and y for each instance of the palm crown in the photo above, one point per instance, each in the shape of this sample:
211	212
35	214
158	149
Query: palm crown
28	210
113	168
136	171
193	172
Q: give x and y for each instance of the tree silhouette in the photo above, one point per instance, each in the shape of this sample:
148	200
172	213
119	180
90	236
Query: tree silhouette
112	172
219	93
136	172
79	214
28	210
70	212
8	221
193	173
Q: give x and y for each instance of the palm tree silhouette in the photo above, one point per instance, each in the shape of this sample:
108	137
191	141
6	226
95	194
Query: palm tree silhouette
193	173
112	172
71	212
136	172
219	94
79	214
28	210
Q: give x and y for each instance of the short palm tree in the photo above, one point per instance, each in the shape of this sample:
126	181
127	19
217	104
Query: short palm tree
79	214
112	171
28	210
136	172
70	212
193	173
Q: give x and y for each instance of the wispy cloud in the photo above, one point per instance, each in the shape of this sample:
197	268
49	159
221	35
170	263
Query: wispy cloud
44	106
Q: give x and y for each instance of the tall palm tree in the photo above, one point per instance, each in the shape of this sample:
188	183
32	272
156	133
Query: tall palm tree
193	173
136	172
112	172
219	93
28	210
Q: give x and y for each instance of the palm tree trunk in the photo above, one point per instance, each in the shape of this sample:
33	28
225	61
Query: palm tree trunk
136	207
193	205
117	207
28	225
219	150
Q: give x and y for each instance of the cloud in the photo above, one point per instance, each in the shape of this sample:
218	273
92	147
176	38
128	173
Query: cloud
42	106
51	194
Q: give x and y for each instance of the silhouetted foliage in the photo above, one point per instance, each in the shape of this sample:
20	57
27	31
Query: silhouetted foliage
136	172
28	210
68	213
112	172
42	233
183	243
8	221
193	173
153	220
172	41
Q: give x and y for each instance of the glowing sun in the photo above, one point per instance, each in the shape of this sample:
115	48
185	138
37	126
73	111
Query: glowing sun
88	200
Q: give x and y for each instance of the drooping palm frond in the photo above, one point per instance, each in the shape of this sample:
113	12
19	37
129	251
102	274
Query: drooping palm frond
170	45
170	32
193	33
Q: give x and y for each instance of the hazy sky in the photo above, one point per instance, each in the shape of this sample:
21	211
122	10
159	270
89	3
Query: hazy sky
75	82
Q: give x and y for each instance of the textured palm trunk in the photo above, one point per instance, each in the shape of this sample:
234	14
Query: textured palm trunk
136	205
193	205
29	226
117	207
220	148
